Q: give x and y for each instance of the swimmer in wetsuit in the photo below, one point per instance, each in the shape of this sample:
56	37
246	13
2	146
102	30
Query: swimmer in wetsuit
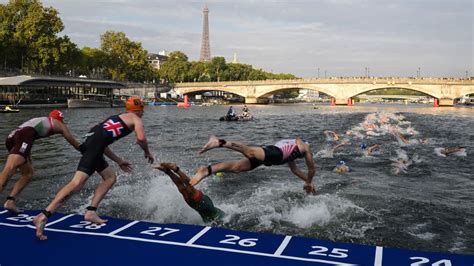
193	197
368	150
93	150
19	144
284	151
341	167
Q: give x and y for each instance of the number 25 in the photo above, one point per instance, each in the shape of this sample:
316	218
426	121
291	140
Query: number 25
335	252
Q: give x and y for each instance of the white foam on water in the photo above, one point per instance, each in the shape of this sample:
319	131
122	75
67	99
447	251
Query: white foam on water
319	210
400	163
438	151
326	152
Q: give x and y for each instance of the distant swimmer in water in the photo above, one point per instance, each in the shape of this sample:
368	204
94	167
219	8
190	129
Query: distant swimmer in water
341	167
193	197
93	150
284	151
444	152
331	135
19	144
399	165
400	138
368	150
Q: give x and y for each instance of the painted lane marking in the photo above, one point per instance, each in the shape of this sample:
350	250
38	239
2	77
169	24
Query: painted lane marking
124	227
59	220
198	235
188	245
378	256
18	225
282	246
232	250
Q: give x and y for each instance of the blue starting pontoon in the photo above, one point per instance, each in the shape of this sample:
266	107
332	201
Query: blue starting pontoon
72	241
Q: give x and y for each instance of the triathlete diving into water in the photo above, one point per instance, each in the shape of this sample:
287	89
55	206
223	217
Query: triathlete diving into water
193	197
284	151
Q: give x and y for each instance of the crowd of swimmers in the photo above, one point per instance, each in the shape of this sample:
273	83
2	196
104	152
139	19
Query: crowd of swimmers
95	147
379	124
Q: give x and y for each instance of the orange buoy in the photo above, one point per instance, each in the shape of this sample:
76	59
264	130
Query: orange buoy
184	104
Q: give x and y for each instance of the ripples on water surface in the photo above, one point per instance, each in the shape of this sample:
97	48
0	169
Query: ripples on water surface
427	206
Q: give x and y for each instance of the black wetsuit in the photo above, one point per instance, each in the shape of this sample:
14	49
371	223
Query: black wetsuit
98	138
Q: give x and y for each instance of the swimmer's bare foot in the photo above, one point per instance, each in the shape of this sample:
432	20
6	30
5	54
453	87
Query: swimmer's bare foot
40	221
10	206
212	143
91	216
200	174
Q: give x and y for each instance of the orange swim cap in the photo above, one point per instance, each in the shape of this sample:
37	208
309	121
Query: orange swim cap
58	115
134	103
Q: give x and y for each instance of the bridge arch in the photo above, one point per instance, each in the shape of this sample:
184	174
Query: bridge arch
233	90
342	90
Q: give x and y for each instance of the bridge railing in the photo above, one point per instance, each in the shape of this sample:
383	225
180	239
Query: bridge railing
333	80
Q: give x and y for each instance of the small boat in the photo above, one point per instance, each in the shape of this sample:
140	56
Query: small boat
9	109
236	118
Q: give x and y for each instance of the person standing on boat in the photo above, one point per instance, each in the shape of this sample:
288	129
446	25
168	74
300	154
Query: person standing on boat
93	149
284	151
19	143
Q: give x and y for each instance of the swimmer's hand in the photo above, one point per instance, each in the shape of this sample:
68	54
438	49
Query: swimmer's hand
125	166
149	157
309	188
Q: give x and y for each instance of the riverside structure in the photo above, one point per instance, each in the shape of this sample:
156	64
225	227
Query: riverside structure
342	90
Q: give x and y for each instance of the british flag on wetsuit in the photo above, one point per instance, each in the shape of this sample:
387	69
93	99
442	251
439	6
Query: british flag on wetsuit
114	128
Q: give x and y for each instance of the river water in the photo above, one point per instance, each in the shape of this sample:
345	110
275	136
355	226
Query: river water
426	204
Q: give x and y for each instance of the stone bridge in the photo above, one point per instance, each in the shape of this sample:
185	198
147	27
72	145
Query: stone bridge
444	90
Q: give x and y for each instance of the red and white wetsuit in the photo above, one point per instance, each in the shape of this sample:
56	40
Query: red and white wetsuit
289	149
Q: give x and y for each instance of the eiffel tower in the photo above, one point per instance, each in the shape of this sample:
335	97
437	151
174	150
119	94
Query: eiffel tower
205	46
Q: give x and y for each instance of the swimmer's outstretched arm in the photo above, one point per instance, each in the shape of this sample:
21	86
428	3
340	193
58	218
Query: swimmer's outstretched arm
373	147
338	146
448	151
334	134
124	165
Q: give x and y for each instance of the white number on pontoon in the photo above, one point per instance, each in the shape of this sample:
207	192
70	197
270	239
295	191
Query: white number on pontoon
88	225
21	218
246	242
335	252
425	261
152	231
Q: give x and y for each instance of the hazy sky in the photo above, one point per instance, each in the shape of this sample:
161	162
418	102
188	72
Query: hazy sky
341	37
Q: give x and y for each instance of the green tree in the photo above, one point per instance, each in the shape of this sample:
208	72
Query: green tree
217	67
237	72
176	68
126	60
92	63
199	71
32	30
